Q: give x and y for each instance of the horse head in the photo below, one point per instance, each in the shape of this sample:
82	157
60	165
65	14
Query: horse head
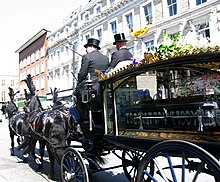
35	104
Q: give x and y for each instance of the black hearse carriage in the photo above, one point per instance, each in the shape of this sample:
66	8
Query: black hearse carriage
164	115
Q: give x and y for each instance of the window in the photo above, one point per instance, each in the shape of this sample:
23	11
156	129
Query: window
86	37
37	84
58	35
113	27
129	21
3	82
37	54
149	45
3	98
99	34
33	71
42	52
42	82
25	62
67	50
148	13
67	30
32	57
42	66
21	64
62	48
204	30
112	2
58	55
37	69
28	61
12	83
198	2
172	6
98	9
57	73
86	17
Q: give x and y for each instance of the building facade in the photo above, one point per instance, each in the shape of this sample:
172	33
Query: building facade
7	80
33	60
102	19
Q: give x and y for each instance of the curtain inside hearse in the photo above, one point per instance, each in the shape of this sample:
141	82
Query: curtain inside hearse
136	97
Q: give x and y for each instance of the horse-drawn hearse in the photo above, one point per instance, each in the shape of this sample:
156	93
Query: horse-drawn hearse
163	114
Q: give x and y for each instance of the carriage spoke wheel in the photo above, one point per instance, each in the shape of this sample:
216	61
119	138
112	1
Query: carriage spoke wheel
130	163
73	167
178	161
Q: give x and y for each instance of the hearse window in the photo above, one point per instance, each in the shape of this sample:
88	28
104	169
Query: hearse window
142	100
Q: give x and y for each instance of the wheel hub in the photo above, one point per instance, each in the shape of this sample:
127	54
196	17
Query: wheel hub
68	176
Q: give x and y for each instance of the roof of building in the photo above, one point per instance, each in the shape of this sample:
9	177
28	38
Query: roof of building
30	41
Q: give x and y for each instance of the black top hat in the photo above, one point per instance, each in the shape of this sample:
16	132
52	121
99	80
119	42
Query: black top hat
93	42
120	37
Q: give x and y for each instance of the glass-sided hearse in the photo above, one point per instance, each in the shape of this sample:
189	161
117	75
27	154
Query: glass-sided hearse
162	115
167	108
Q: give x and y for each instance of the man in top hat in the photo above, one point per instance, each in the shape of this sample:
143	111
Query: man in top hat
122	53
90	62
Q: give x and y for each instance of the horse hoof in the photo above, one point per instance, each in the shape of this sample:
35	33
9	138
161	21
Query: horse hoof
51	177
25	160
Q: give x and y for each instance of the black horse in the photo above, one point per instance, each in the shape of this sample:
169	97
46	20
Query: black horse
58	129
35	114
51	128
17	125
55	135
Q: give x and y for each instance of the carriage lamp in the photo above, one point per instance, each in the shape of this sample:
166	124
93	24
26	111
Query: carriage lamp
89	93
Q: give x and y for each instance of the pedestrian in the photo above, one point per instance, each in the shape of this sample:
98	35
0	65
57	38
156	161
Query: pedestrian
122	53
93	60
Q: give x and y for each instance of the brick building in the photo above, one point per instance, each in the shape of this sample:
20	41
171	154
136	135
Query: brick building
33	61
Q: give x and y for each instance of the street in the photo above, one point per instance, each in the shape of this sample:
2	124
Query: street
13	169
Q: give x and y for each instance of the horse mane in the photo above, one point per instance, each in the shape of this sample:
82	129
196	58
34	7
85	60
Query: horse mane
11	108
30	84
34	101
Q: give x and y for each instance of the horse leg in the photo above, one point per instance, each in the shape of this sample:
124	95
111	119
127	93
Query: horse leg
32	149
52	162
42	147
12	141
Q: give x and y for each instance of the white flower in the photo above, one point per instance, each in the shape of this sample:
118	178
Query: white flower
167	41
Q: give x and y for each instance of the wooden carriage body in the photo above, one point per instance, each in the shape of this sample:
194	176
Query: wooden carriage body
155	100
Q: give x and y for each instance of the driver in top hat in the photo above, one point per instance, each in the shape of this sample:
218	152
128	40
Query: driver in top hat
90	62
122	53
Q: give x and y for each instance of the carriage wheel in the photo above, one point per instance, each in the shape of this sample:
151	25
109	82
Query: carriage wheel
73	167
130	163
178	161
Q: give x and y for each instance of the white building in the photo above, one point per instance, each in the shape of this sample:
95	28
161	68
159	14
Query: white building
7	80
103	18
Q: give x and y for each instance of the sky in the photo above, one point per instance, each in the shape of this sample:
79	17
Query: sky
20	20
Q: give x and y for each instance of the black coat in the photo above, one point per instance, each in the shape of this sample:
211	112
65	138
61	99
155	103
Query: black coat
90	62
120	55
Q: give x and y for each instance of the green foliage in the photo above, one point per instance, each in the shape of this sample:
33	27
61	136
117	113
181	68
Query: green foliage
170	45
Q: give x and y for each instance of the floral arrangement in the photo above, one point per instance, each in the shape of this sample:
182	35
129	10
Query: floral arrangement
141	31
176	45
